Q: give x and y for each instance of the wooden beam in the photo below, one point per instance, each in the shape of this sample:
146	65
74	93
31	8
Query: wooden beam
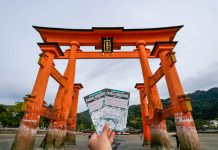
166	113
157	76
184	105
57	76
53	72
159	73
47	112
100	55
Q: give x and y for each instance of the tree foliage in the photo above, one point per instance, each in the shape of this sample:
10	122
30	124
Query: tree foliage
10	116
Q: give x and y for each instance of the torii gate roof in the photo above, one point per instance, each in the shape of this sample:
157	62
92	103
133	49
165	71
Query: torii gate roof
121	36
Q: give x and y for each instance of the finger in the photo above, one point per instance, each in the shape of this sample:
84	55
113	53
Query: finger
94	136
110	131
111	138
105	129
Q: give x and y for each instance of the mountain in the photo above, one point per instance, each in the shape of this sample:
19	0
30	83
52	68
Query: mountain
205	104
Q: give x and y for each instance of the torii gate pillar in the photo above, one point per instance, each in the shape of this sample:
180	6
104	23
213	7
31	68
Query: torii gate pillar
181	106
159	136
144	114
71	122
56	134
26	135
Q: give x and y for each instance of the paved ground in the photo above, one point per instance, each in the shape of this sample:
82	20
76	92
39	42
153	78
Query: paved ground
128	142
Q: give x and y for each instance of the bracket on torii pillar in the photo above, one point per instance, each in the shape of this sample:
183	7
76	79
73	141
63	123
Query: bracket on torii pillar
77	86
141	87
51	47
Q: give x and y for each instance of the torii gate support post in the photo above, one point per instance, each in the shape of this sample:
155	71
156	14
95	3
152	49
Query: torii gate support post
144	114
57	129
181	106
25	137
159	135
71	122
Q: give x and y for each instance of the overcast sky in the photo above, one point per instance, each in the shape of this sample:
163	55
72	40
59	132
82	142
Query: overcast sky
196	51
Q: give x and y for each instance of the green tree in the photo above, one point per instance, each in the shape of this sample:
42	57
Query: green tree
2	108
81	127
12	116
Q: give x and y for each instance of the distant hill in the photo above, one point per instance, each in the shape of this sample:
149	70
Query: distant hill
205	104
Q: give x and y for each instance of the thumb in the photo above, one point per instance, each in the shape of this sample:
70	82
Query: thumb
106	130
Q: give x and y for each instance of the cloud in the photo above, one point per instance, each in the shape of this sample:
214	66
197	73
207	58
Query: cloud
203	80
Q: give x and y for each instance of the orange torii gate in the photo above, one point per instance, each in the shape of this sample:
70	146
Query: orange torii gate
110	40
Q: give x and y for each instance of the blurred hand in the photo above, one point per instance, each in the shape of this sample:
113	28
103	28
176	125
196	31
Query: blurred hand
102	141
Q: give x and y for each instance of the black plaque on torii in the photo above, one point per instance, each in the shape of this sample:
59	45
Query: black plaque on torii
107	45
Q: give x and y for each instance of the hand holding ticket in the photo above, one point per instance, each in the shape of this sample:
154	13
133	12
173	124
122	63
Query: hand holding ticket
108	106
